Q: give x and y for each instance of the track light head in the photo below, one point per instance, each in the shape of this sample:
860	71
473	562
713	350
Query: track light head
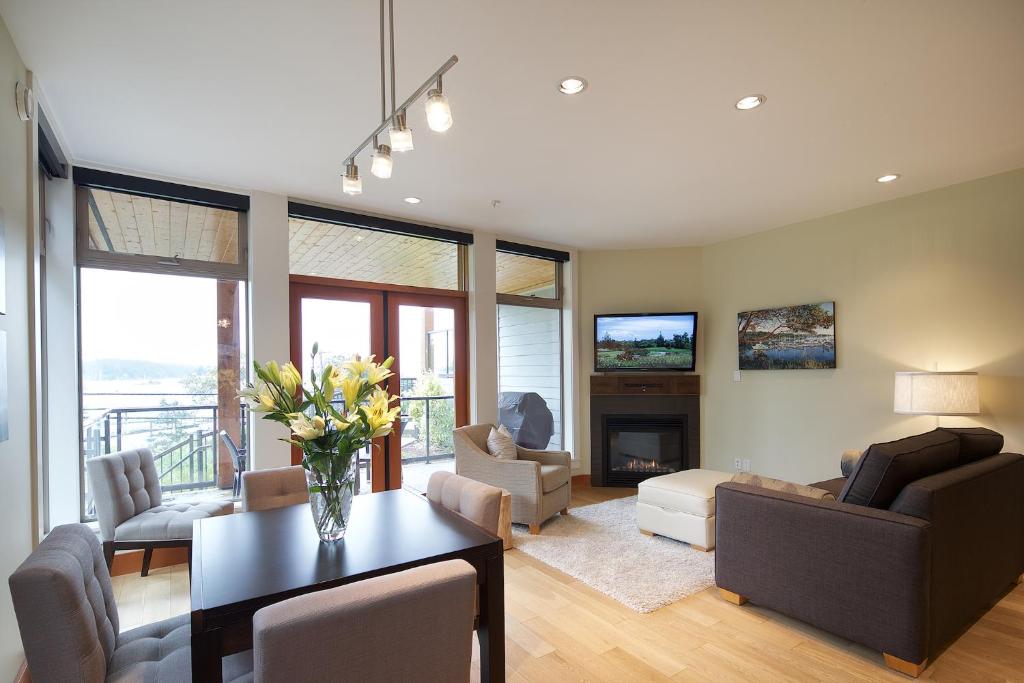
351	183
382	162
439	112
401	135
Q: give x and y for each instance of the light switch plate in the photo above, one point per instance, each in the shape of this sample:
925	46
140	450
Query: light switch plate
737	376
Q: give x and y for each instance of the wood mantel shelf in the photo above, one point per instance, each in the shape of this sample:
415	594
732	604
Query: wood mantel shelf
648	383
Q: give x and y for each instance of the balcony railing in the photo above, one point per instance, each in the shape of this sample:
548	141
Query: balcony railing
427	423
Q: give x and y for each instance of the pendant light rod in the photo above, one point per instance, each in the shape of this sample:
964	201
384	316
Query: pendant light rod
434	77
391	25
383	90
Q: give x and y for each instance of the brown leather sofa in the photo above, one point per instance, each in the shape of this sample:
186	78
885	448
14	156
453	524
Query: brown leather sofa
926	534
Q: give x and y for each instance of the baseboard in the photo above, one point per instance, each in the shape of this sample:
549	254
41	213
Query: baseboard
581	480
23	676
130	561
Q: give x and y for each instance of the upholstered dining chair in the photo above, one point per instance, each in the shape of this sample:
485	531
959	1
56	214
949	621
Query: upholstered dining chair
64	603
479	503
130	509
274	488
414	625
539	481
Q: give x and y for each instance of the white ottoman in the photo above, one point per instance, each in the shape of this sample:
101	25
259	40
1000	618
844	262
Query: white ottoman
680	505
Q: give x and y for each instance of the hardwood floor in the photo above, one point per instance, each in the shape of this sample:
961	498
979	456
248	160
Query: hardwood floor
558	629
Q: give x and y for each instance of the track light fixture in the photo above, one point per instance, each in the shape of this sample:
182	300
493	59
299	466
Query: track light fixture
351	183
439	113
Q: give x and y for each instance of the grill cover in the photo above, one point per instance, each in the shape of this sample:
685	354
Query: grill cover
528	417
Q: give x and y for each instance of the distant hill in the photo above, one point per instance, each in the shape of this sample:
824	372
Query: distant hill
121	368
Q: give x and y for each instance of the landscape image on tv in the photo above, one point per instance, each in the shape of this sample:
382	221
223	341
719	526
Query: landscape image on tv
657	341
788	338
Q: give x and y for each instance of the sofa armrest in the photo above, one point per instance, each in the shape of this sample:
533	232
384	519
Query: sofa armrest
563	458
858	572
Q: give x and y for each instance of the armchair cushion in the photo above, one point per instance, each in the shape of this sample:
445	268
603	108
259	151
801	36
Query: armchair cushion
500	444
170	522
553	477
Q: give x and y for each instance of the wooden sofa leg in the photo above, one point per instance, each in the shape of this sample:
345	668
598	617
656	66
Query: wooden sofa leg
565	511
645	532
108	554
734	598
905	667
147	557
535	529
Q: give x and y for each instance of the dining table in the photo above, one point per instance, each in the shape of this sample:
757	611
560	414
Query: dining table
245	561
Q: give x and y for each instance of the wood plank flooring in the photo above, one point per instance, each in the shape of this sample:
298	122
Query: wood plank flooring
558	629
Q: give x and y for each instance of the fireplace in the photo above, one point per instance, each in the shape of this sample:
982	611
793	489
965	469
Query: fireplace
643	426
639	447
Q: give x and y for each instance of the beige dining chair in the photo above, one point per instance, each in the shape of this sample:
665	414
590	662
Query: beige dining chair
274	488
414	625
477	502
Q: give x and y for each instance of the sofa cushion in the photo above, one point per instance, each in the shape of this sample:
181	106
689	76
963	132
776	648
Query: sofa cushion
833	486
782	486
500	444
885	468
689	491
553	477
976	442
170	522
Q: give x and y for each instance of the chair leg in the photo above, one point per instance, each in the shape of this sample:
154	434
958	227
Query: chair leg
565	511
108	554
147	557
535	529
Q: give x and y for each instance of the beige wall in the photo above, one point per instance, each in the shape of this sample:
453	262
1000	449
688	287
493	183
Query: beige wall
16	506
936	278
648	281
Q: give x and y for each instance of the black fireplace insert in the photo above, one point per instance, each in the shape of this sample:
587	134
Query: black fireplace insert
638	447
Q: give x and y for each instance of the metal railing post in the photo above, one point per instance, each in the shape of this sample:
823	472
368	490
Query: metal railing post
106	433
119	431
427	412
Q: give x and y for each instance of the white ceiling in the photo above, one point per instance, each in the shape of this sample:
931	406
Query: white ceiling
273	95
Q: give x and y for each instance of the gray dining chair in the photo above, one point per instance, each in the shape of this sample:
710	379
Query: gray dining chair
130	509
68	620
274	488
414	625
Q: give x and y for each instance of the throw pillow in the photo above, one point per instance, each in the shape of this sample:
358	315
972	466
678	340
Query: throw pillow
500	443
782	486
848	460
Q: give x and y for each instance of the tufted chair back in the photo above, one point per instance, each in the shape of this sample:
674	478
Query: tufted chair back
64	603
479	503
124	484
274	488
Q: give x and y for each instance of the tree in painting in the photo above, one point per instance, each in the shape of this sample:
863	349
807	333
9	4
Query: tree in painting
792	337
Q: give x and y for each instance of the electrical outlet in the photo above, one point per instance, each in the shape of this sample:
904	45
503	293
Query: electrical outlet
746	465
737	376
737	465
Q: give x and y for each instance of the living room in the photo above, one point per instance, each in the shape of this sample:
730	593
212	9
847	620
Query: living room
798	298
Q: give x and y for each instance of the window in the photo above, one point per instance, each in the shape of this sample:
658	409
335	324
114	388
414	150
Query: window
345	252
530	359
162	323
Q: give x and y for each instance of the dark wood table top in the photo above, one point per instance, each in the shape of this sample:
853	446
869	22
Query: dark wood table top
270	555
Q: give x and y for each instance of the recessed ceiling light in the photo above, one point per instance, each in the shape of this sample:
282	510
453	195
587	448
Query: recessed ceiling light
887	178
751	102
572	85
412	200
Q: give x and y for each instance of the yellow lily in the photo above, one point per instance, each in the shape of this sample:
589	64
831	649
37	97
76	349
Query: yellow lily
356	367
290	378
306	428
375	374
350	387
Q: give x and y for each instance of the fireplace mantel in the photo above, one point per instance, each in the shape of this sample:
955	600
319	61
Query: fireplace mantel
614	396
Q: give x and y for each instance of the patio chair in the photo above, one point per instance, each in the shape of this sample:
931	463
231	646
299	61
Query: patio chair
413	625
126	489
238	459
64	603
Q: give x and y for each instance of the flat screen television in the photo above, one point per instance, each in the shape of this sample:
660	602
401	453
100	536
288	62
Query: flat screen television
638	342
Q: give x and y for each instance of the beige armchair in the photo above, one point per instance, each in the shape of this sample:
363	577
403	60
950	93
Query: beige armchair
539	481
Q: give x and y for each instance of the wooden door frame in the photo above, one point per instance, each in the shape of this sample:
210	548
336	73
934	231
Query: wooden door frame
428	299
297	291
384	330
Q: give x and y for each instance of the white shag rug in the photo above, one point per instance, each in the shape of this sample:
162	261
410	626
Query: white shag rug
601	546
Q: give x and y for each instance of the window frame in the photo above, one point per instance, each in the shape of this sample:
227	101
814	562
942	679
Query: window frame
556	302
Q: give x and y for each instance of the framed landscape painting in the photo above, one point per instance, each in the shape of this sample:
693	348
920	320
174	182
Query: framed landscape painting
789	338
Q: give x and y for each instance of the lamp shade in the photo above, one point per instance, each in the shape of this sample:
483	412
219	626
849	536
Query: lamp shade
936	393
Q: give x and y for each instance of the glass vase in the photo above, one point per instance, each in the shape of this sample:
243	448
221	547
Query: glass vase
330	496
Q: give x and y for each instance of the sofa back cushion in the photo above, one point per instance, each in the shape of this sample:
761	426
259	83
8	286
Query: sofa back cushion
976	443
885	468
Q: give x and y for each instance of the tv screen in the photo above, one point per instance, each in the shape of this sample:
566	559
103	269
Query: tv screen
645	341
